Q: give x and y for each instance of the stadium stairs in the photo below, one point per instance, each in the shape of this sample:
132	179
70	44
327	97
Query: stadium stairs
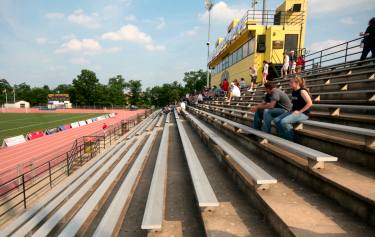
206	172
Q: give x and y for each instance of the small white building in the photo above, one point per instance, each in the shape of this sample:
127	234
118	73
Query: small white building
18	105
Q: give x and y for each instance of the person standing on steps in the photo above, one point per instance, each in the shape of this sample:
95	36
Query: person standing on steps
285	68
225	86
302	103
253	77
369	40
276	102
292	62
265	72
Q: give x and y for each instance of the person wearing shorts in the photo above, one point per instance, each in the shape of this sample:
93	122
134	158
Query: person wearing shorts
253	77
265	72
285	68
292	62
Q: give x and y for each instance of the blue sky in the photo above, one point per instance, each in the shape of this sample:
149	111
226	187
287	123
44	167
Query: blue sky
49	42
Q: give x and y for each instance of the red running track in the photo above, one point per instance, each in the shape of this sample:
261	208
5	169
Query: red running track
43	149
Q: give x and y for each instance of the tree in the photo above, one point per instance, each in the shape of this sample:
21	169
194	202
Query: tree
195	80
116	88
166	94
23	91
85	86
135	89
4	86
39	95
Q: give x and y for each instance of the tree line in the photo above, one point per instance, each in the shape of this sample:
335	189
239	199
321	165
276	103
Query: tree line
86	90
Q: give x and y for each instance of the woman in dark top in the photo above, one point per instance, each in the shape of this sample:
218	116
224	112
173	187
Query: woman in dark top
302	103
369	40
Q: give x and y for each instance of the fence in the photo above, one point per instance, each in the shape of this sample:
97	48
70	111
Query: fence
19	191
340	53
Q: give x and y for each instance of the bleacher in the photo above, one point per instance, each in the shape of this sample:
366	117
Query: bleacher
322	185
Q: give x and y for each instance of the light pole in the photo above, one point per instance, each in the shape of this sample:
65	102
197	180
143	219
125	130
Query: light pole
253	5
14	95
209	5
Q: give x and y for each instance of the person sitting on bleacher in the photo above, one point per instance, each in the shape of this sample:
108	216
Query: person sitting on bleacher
276	103
234	92
302	103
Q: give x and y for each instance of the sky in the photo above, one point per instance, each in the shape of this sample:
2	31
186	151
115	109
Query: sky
44	42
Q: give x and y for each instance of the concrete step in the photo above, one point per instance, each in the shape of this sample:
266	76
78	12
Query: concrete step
293	208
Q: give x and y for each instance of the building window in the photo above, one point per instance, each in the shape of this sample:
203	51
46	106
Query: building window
261	44
251	46
240	55
245	49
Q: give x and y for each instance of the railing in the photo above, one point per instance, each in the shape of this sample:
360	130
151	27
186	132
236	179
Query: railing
267	17
272	17
19	191
340	53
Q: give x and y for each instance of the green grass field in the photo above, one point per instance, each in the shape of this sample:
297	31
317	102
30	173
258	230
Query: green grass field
13	124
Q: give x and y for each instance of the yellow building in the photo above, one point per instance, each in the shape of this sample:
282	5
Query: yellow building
259	36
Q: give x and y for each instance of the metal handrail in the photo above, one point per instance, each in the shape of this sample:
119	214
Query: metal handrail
267	17
340	53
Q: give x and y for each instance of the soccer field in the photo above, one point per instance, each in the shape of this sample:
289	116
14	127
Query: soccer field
13	124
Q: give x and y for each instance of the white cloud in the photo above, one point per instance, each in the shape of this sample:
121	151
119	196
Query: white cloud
191	32
317	46
69	37
55	15
329	6
223	13
161	23
41	40
79	61
80	18
132	34
76	45
131	18
113	50
347	21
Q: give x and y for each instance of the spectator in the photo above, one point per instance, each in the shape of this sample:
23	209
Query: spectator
276	103
254	77
369	40
302	103
243	84
217	91
183	105
292	62
300	64
285	68
236	83
235	92
200	98
265	72
105	126
225	86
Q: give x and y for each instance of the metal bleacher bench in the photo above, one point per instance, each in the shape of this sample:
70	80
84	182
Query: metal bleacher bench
110	224
260	178
160	120
167	120
203	190
315	158
154	211
38	212
369	134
